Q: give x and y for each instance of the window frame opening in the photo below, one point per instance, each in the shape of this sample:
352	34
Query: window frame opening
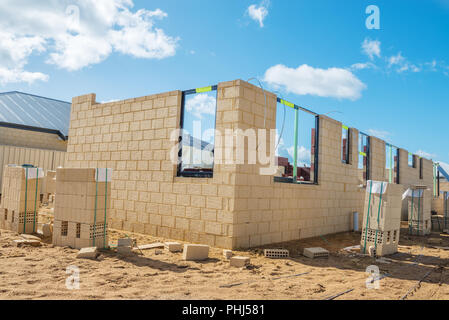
180	171
314	160
393	164
421	168
365	154
411	160
345	145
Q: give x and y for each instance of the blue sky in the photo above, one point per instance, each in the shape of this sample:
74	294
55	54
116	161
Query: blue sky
399	93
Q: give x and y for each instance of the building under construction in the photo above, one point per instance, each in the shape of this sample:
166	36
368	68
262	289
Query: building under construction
322	166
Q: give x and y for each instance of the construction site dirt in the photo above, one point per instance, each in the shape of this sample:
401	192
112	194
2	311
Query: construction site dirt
417	271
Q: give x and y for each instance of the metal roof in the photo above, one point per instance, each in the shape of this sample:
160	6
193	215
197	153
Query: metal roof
31	112
188	140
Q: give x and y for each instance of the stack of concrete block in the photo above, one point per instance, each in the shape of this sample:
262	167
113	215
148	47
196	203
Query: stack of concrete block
419	210
20	199
81	209
381	218
49	186
446	210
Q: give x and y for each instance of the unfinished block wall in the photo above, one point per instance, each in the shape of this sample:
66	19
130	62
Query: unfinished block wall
133	138
269	212
438	203
377	159
238	207
410	176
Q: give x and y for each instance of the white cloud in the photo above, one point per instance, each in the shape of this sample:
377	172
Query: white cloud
415	68
137	37
18	75
401	64
425	154
432	65
14	50
396	60
76	52
371	48
258	12
363	66
306	80
378	133
304	155
109	101
78	35
201	104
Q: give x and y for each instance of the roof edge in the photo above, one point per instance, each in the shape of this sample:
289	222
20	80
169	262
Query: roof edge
31	128
33	95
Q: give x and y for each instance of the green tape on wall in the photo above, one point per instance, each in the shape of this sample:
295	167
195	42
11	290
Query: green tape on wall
205	89
288	104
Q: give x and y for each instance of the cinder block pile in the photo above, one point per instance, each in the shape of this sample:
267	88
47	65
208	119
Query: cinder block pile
446	210
419	210
82	204
20	198
49	187
381	218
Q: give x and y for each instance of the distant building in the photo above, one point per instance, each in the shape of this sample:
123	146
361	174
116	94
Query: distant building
32	121
33	130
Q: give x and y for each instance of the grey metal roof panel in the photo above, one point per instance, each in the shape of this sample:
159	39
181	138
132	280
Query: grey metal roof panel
35	111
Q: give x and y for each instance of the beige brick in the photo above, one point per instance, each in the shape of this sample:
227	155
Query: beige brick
239	261
195	252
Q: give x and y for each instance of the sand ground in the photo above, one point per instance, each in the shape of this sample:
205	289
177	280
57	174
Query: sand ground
40	272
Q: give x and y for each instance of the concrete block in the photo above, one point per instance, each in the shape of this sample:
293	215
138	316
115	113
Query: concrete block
173	246
126	251
21	243
156	245
30	237
47	230
195	252
239	262
125	242
227	254
313	253
434	241
87	253
276	253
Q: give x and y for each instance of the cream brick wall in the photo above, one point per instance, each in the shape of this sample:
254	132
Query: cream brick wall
31	139
238	207
409	176
133	138
269	212
377	159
